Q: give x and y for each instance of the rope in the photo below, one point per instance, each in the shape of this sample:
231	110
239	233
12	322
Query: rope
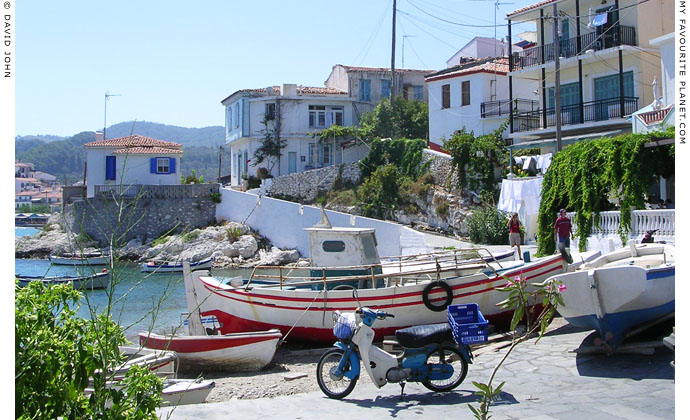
298	320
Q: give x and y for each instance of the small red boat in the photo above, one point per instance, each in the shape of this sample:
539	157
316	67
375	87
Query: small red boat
229	352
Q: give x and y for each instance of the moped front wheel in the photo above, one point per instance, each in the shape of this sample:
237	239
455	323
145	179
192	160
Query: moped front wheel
333	385
452	357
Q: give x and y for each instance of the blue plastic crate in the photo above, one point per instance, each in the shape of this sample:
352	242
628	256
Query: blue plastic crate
468	323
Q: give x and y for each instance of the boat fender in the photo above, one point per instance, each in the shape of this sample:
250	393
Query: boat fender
431	286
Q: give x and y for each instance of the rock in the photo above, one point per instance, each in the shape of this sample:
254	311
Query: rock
278	257
246	246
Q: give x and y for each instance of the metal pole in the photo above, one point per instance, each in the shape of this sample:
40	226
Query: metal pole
557	87
393	54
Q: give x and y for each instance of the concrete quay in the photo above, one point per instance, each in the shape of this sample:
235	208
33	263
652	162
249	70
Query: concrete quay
544	381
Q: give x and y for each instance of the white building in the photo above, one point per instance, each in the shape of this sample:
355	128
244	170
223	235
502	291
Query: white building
662	109
131	160
294	114
479	47
473	96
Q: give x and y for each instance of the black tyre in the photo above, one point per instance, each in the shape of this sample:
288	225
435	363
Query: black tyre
452	357
332	385
431	286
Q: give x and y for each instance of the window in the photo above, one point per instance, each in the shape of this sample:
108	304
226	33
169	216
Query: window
320	155
109	168
335	115
237	114
445	96
418	92
385	88
163	165
317	116
326	154
465	93
492	90
333	246
364	90
270	111
228	111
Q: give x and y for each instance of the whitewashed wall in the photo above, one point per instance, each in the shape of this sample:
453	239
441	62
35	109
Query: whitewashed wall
282	222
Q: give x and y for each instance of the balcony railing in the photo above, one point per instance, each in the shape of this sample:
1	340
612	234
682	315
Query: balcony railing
601	110
664	221
503	107
568	47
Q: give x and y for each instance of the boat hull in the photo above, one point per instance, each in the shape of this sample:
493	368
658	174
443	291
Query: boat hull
614	300
308	313
96	281
58	260
170	268
232	352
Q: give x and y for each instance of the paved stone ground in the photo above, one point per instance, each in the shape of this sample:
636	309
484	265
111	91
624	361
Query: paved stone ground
543	382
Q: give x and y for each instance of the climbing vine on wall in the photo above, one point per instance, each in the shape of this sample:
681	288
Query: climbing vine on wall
475	159
583	176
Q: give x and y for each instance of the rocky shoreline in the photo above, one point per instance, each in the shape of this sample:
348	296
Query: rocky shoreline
230	244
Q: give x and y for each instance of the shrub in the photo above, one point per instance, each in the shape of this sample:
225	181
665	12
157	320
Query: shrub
262	173
190	236
215	197
443	209
381	192
233	233
488	225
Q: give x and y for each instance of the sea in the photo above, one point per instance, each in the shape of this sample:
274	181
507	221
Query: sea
139	302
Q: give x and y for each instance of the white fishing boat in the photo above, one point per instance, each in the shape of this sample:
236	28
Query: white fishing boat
154	266
85	282
93	258
164	365
620	291
416	294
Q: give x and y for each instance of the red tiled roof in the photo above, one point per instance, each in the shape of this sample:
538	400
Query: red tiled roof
23	165
533	6
147	151
134	141
26	179
27	193
486	65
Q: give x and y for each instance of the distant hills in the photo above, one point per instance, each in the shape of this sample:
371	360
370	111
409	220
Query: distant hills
65	157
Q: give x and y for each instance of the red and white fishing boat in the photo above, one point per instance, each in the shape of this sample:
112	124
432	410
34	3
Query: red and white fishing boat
201	351
232	352
304	307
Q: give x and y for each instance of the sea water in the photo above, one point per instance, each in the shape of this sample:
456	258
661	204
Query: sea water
138	301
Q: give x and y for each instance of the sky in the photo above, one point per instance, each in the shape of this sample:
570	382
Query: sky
173	63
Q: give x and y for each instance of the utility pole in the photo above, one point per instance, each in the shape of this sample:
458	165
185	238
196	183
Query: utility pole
393	55
557	87
105	111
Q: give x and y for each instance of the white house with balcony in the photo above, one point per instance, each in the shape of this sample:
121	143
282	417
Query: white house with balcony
604	50
294	114
474	96
131	160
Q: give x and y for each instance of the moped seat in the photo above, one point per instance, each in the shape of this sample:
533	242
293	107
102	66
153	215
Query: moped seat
421	335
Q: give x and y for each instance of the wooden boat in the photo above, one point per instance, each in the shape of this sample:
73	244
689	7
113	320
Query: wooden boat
620	291
303	305
87	282
231	352
94	258
167	267
164	365
199	351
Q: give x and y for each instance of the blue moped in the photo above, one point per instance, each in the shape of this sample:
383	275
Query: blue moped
430	356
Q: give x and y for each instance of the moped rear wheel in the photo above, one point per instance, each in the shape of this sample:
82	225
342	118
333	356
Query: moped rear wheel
332	385
452	357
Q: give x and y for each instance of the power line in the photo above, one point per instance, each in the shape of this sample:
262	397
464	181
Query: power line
451	22
374	35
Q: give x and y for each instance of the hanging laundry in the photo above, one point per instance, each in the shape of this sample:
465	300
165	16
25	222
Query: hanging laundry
600	19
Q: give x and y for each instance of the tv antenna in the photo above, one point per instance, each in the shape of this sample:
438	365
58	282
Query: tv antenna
105	110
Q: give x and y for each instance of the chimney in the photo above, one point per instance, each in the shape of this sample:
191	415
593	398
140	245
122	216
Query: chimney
99	136
289	89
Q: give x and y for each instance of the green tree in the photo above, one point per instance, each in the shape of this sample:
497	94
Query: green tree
380	193
397	118
56	354
272	144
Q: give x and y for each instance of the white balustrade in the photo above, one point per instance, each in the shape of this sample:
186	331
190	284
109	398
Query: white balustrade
663	220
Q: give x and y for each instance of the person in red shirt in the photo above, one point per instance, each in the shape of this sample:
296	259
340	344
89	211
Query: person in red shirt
514	235
563	230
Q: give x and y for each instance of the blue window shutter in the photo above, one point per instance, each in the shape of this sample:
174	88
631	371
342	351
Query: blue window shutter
110	167
154	166
172	165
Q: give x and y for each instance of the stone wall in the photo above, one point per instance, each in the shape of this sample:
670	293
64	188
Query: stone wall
154	210
305	186
440	169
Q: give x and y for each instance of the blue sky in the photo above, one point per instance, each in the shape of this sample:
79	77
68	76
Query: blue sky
173	62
